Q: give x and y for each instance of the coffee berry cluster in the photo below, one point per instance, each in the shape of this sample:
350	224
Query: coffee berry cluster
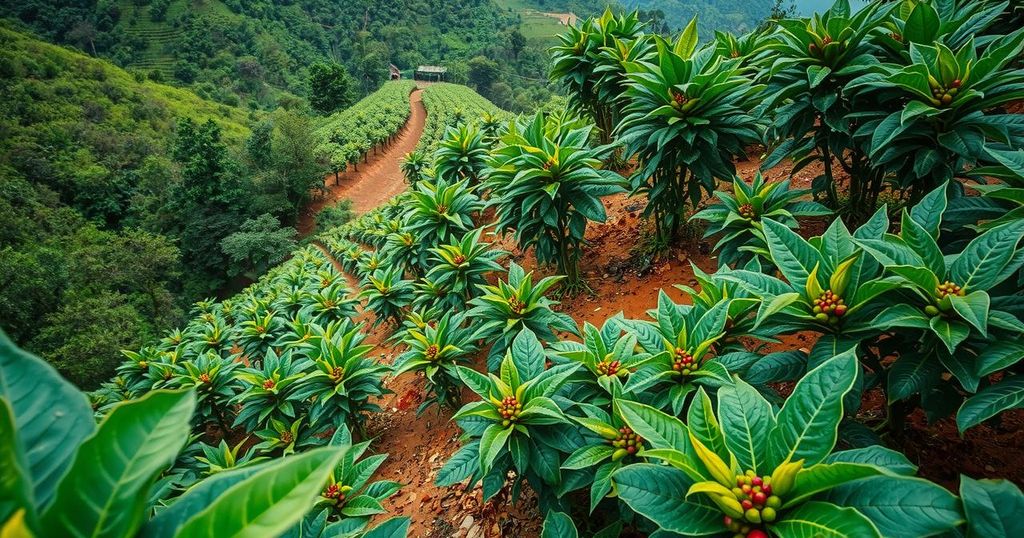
516	306
612	367
685	363
509	409
747	211
829	307
755	496
626	443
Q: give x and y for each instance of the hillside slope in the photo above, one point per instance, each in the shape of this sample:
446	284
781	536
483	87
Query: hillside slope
89	262
259	51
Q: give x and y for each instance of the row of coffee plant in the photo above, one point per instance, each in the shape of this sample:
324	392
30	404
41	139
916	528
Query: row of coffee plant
277	370
66	476
347	137
673	425
449	105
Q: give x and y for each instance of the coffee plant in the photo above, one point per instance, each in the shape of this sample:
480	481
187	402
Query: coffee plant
753	470
387	294
500	312
736	220
459	266
461	154
546	185
436	347
687	117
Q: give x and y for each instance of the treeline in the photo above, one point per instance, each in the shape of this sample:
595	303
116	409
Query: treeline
122	200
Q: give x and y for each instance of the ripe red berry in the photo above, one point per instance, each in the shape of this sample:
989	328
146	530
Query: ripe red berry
757	533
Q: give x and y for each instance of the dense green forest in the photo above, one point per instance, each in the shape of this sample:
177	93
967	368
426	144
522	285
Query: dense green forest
116	194
258	53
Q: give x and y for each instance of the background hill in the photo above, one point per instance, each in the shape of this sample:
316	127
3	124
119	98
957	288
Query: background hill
116	193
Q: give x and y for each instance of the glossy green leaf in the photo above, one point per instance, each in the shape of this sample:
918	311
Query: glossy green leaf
659	494
1006	394
52	417
269	502
558	525
993	507
808	424
104	492
824	520
901	507
747	419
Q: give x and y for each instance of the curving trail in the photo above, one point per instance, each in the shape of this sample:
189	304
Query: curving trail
376	181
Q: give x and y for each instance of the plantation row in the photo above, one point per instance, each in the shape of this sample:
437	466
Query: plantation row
610	406
347	137
278	369
920	300
449	105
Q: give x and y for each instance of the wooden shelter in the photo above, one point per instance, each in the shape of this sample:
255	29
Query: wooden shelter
432	73
396	73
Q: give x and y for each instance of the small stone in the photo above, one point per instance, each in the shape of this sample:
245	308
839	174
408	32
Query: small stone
990	469
467	522
597	309
804	351
475	532
682	257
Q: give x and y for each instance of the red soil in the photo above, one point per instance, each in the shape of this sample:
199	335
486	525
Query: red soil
373	182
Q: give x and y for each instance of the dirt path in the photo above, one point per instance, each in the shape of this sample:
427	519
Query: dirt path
376	181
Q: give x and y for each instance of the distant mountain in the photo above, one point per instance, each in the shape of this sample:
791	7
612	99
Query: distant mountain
735	16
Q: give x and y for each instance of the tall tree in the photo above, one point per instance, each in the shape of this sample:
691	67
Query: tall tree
516	43
330	88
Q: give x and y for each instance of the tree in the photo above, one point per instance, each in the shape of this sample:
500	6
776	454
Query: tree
84	338
330	88
258	244
516	43
295	159
259	145
482	73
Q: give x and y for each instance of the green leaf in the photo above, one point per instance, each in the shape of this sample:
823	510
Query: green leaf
168	521
973	308
701	420
982	261
104	491
952	333
588	456
687	42
460	466
808	424
747	420
396	527
824	476
491	443
657	428
270	501
816	74
1006	394
878	456
910	374
922	25
793	255
998	356
51	416
993	507
659	494
824	520
901	507
558	525
901	315
15	487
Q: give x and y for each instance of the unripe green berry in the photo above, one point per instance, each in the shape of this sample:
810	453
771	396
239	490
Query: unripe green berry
768	514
